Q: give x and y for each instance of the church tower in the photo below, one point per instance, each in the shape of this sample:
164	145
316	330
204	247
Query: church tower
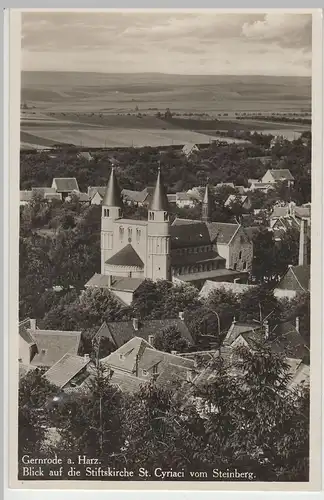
158	255
205	209
110	211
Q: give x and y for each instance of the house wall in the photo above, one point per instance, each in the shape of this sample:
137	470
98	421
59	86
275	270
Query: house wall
24	353
284	293
126	297
97	199
224	251
268	177
240	252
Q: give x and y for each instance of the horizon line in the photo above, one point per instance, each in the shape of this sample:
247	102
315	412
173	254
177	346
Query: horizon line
159	73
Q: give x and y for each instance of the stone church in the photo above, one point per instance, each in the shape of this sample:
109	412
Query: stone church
189	251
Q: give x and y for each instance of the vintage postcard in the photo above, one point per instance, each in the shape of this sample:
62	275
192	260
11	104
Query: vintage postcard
165	319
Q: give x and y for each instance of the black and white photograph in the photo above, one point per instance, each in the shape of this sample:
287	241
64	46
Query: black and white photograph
165	216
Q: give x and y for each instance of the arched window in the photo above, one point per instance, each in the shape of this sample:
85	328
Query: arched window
121	233
240	254
106	212
166	216
151	215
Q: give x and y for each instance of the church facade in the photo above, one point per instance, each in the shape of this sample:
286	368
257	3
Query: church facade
184	251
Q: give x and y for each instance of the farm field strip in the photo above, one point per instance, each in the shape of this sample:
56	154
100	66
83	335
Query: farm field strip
121	137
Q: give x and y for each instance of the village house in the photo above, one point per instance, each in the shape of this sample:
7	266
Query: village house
187	250
284	218
137	362
65	185
278	175
186	200
70	372
284	339
138	198
189	149
242	200
85	155
264	187
43	348
120	332
82	197
96	194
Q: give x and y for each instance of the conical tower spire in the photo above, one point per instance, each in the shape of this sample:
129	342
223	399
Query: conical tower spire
160	199
112	196
205	209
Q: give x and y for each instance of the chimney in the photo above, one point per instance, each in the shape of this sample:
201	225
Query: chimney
86	357
135	324
297	324
181	315
32	324
266	330
234	320
303	257
151	340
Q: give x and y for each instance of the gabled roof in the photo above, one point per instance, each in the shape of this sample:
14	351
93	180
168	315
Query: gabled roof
236	329
43	190
204	257
128	351
92	190
137	356
189	233
296	278
286	340
65	184
188	148
24	369
222	232
127	256
235	198
210	286
281	174
65	369
83	197
123	331
53	344
135	196
86	155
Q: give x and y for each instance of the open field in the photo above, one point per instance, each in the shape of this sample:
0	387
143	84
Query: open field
109	110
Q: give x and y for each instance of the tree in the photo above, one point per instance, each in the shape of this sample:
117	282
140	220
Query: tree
34	393
255	423
169	339
264	255
90	423
258	304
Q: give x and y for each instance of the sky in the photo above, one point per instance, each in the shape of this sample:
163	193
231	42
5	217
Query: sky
169	42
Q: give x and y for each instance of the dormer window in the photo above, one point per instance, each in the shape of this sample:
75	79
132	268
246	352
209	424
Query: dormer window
106	212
